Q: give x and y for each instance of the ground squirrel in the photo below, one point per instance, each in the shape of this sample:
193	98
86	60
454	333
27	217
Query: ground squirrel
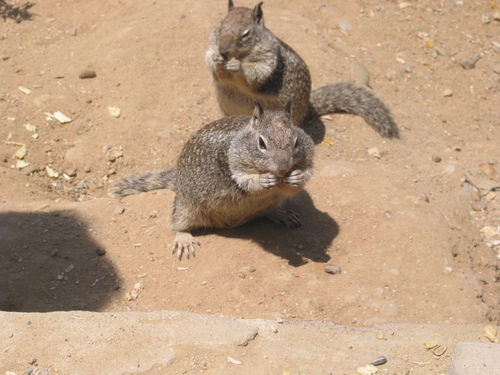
248	62
231	171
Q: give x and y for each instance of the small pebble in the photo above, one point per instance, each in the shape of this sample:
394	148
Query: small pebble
81	184
468	64
447	93
100	252
30	169
70	172
73	31
436	159
119	210
388	214
87	73
374	152
32	361
333	269
115	153
53	253
479	206
87	169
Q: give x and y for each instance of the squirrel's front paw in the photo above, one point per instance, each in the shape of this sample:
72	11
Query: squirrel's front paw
268	181
218	59
184	243
296	178
233	65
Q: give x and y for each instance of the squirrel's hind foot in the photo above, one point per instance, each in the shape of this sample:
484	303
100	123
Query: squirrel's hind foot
286	217
184	244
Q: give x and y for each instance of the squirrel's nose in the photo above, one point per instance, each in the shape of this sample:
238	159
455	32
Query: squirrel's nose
224	52
283	168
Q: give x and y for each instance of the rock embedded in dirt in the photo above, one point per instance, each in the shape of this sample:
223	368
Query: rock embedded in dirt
447	93
87	73
99	251
333	269
479	206
115	153
119	210
71	172
32	168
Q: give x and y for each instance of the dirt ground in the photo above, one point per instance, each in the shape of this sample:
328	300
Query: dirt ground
413	224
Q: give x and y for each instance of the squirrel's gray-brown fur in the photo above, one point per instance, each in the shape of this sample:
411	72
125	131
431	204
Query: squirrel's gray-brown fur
231	171
248	62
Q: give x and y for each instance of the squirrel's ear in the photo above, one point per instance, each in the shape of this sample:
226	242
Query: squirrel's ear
230	5
257	111
288	107
257	13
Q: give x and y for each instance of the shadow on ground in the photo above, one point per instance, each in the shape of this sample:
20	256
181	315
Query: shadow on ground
48	262
17	13
309	242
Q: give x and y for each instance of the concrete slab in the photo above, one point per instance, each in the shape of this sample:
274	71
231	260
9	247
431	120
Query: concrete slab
173	342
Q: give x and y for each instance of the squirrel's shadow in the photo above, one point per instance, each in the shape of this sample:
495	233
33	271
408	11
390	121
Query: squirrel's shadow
48	262
308	242
17	13
314	126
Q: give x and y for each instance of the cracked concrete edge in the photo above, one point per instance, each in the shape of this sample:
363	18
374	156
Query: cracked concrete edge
472	358
137	342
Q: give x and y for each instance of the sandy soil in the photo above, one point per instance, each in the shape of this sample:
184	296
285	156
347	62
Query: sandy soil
414	225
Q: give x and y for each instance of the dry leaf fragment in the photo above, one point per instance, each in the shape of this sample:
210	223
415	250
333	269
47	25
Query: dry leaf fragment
62	118
51	173
31	128
21	153
24	90
430	344
20	164
491	334
233	361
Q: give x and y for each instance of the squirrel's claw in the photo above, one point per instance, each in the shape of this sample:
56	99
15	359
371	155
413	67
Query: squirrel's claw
184	244
268	181
233	65
296	178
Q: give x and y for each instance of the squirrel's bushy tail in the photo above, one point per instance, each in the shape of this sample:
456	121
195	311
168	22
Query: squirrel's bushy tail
143	182
351	98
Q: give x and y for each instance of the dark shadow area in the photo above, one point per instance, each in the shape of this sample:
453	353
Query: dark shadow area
309	242
17	13
313	126
48	262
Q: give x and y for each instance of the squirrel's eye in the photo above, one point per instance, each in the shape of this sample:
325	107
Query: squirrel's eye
245	33
262	144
